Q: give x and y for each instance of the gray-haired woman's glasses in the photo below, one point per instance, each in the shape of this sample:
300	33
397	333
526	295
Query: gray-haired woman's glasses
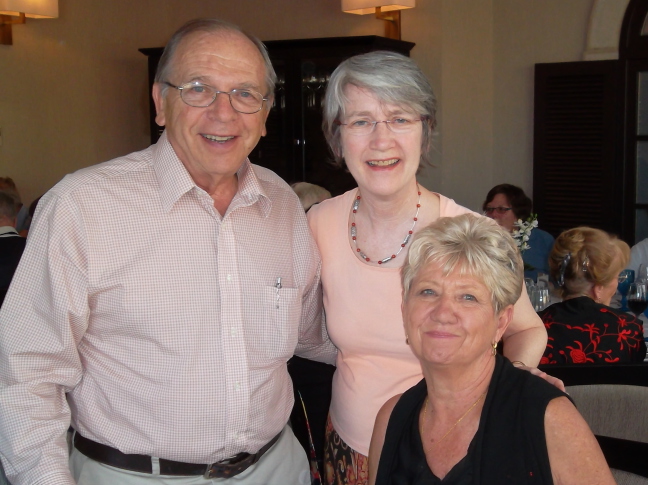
201	95
366	127
500	210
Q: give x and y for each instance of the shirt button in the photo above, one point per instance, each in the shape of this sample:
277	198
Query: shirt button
233	331
237	386
229	277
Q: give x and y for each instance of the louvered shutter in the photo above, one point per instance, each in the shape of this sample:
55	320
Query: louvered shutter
578	146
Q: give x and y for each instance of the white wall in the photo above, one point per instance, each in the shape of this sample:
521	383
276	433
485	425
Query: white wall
73	89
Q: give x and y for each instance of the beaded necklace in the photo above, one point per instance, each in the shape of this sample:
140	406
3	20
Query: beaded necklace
354	229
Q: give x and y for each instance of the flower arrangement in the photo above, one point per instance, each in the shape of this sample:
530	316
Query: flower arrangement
523	233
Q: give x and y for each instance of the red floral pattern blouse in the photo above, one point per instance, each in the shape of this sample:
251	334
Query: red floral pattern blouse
582	331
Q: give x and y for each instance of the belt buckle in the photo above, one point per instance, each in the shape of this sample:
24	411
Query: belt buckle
230	467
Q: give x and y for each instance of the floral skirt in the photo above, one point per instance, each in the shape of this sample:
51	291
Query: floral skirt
342	464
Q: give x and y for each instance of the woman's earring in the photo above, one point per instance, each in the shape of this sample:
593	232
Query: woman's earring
494	344
407	339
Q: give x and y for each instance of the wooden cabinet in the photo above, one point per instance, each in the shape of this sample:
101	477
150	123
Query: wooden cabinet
295	147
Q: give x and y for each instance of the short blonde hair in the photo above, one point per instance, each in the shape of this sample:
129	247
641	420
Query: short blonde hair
583	257
474	245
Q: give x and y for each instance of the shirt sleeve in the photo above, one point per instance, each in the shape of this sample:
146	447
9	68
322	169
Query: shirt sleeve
43	318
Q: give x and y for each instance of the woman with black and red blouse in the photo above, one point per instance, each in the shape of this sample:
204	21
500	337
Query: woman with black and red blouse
583	328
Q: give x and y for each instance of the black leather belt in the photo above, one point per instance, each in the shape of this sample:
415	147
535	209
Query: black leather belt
142	463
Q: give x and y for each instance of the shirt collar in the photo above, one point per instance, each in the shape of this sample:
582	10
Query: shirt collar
8	230
175	181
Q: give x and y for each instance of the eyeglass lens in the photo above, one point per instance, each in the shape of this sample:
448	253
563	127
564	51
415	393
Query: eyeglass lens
397	125
499	210
201	95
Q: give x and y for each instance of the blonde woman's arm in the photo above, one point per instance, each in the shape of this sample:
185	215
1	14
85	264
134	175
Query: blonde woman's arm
574	454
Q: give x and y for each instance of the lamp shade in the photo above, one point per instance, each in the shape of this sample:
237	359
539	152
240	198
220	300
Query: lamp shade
37	9
362	7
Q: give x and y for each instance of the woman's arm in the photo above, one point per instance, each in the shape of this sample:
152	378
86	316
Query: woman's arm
378	437
574	454
525	338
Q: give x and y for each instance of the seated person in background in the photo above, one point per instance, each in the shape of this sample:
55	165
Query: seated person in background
23	219
11	244
586	263
638	256
474	417
310	194
506	204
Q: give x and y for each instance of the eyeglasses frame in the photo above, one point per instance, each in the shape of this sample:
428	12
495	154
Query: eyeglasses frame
500	210
216	93
387	122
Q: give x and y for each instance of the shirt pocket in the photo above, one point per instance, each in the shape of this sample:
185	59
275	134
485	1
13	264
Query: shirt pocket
280	326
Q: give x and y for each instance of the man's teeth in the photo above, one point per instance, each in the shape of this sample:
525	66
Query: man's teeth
218	138
382	163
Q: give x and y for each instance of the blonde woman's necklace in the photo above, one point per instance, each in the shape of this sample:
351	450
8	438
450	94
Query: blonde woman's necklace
354	229
424	420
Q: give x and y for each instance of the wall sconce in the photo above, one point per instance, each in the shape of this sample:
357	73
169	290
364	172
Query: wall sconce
388	10
15	11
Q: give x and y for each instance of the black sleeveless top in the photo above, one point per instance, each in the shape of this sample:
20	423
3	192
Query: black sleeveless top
508	448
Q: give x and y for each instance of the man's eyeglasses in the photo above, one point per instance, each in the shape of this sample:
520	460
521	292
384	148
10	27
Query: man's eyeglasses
364	126
500	210
201	95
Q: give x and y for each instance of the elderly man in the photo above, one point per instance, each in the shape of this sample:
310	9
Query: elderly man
11	244
163	293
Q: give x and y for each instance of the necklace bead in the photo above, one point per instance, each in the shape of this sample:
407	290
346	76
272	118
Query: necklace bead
353	230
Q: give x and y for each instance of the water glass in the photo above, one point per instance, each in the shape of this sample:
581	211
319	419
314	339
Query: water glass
642	273
626	278
540	298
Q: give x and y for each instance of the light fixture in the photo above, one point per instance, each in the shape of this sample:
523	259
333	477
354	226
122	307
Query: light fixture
388	10
15	11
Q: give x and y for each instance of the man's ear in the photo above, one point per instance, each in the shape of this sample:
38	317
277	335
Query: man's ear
160	102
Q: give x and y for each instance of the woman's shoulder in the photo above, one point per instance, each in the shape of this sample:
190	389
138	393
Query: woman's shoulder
531	390
328	211
449	208
332	206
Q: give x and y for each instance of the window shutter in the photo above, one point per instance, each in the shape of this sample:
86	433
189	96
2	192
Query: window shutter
578	147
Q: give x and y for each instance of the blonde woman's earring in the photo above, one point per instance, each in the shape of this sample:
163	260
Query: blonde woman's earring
494	344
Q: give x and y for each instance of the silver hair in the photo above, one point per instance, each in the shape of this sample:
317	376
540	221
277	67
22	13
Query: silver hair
393	78
475	246
9	204
212	26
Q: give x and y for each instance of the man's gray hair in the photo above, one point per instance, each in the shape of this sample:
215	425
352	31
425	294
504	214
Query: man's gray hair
9	204
393	78
212	26
475	246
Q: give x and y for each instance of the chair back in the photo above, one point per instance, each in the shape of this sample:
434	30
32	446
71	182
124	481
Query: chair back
613	400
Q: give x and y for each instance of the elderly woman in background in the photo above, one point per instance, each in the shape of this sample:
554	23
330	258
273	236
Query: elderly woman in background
379	116
583	328
506	204
474	418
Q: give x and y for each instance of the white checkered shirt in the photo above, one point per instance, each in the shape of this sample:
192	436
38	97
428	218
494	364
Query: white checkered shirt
163	323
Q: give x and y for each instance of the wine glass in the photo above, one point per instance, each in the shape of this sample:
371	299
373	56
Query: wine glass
626	278
642	273
637	298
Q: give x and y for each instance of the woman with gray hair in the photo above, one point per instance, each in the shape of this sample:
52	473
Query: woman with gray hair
379	117
474	418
